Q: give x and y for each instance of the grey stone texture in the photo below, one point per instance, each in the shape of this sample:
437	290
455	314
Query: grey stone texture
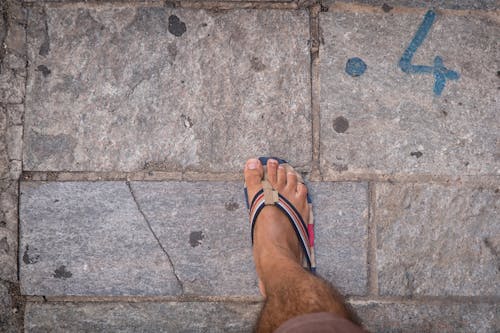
4	155
6	318
84	238
10	142
448	4
8	230
130	88
395	123
88	239
141	317
437	240
8	322
12	53
204	228
433	317
341	229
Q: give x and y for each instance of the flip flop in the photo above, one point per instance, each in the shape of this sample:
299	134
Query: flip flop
269	196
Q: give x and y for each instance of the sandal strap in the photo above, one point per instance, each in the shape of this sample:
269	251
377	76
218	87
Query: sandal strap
270	197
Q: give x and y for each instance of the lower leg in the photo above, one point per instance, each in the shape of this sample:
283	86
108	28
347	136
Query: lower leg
289	289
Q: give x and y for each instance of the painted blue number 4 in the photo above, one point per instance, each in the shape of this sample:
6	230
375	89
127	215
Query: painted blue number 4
440	72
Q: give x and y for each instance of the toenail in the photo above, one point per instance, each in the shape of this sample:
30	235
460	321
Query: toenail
252	164
281	167
273	161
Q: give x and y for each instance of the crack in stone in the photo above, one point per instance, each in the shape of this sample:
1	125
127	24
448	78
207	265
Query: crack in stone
156	237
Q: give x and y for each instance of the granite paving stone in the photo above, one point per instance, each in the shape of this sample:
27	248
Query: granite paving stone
12	55
387	121
80	238
341	220
128	88
4	155
8	230
8	322
433	317
210	225
143	317
388	5
437	240
15	113
202	226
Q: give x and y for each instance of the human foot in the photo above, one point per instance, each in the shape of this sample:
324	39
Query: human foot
275	239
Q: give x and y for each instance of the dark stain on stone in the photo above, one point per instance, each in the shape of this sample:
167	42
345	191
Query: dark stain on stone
417	154
187	121
56	200
498	73
27	259
175	26
460	103
386	8
494	249
3	224
45	47
44	69
410	282
195	238
4	245
257	64
231	206
62	273
340	124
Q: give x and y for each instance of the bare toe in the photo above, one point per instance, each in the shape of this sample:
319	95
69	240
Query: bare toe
281	177
254	172
291	181
272	171
301	191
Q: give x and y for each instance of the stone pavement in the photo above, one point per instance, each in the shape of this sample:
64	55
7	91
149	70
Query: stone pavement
124	126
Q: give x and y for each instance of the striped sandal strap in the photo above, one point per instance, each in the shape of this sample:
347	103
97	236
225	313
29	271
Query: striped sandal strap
269	196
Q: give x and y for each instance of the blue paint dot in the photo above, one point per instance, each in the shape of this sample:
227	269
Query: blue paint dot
355	67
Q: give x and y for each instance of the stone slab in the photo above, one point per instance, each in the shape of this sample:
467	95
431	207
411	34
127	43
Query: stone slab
8	230
341	222
448	4
433	317
4	149
202	226
81	238
13	53
126	88
437	240
7	316
386	121
140	2
141	317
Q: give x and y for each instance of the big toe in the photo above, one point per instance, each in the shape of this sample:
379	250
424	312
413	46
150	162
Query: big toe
254	171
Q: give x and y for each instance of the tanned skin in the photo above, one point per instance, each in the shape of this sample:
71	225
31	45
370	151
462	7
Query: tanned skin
289	289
